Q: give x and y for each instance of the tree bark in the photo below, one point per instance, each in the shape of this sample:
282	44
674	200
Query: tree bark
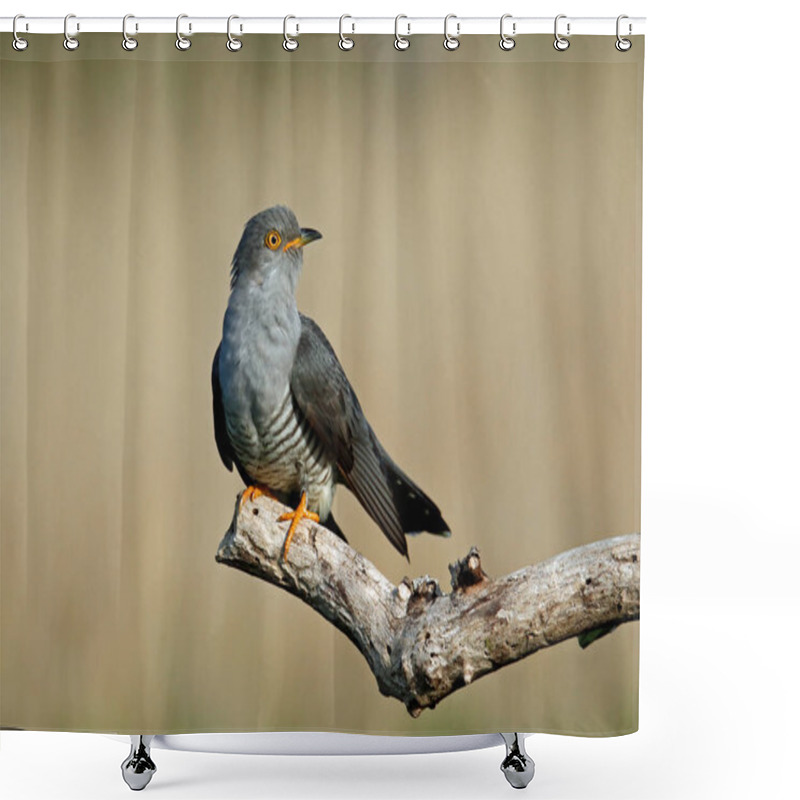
420	643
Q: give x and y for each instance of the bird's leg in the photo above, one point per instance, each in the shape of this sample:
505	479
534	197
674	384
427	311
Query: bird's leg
295	516
255	491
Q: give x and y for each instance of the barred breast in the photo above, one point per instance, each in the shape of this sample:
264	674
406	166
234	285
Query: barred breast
283	453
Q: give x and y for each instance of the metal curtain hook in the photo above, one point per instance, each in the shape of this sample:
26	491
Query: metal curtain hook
70	42
451	42
128	42
18	43
560	42
234	43
623	45
290	43
344	42
507	42
181	42
400	42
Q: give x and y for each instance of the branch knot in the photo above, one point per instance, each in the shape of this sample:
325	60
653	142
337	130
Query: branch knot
467	573
421	592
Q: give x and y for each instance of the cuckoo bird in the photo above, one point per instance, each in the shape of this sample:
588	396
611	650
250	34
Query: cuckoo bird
284	412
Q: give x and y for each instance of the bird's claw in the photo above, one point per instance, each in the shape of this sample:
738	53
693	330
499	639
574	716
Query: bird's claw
295	516
252	493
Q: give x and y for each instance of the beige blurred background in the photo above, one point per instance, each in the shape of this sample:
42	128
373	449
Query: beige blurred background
479	277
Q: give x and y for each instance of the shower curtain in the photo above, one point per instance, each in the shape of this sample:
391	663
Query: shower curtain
478	277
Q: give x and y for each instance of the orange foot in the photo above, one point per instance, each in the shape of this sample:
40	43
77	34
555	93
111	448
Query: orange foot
253	492
295	516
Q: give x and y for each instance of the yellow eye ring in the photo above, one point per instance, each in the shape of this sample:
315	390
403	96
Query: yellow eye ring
273	240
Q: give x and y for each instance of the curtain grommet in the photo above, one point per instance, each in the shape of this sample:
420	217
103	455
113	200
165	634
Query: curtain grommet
18	43
70	42
182	42
451	42
623	45
345	43
507	42
234	43
401	42
129	42
560	43
290	43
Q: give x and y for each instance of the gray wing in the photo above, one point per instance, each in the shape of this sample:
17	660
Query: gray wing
220	430
325	397
224	445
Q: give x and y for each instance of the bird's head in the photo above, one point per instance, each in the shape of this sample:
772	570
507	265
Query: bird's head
271	247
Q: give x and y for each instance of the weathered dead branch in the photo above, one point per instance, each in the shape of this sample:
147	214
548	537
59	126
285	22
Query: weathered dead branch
420	643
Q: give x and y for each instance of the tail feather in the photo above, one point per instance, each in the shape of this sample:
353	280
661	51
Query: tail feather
396	504
417	511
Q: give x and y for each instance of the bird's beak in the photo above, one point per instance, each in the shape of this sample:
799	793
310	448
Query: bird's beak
306	235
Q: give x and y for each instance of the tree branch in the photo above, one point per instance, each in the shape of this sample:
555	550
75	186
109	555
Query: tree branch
420	643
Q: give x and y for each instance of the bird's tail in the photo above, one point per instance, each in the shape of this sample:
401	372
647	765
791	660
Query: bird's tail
418	513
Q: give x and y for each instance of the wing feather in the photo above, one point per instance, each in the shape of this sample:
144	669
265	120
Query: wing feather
224	446
220	430
325	397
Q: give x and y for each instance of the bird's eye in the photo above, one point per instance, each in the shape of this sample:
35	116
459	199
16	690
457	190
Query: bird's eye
272	240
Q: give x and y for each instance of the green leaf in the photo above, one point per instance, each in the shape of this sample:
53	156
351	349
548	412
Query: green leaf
587	637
